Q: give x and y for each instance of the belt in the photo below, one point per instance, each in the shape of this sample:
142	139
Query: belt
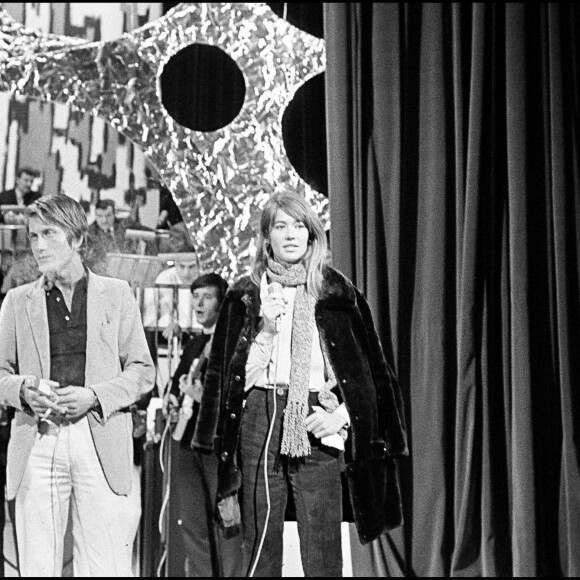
280	388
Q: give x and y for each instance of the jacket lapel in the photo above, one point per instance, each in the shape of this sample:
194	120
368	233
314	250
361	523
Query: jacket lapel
38	319
97	309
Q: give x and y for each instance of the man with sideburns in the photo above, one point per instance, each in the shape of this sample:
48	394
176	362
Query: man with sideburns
195	548
73	358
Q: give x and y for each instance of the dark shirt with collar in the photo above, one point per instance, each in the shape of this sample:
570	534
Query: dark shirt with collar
68	335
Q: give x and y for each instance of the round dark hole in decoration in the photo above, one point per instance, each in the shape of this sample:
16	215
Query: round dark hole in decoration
202	88
167	6
307	16
304	133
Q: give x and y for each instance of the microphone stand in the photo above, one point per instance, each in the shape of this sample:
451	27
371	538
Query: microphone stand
173	349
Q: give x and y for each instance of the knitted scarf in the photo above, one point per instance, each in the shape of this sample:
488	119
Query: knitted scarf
294	434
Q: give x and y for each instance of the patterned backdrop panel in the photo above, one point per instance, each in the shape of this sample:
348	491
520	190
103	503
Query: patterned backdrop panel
220	179
75	153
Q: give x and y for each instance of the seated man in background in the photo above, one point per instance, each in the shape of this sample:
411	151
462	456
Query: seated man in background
194	547
168	308
107	235
182	273
21	195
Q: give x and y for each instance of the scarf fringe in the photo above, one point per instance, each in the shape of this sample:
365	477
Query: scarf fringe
294	435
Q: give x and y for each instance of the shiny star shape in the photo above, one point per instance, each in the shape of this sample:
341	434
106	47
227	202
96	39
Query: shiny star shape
220	179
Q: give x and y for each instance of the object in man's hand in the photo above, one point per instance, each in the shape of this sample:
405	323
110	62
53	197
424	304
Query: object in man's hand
42	387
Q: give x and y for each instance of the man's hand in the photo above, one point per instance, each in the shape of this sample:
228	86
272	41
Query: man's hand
322	424
41	403
193	390
172	330
76	401
171	408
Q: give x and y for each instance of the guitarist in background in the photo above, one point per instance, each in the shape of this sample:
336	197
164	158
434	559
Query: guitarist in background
193	546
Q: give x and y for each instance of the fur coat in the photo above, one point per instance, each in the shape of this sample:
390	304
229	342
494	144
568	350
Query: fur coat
366	383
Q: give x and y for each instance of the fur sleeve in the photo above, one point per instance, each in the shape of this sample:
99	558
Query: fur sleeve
389	398
208	417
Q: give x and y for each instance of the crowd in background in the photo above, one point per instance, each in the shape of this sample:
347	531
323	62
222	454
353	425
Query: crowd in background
107	232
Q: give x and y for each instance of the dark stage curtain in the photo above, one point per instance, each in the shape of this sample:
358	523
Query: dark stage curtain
454	182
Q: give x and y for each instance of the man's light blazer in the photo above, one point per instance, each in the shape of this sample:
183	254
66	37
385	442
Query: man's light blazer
119	369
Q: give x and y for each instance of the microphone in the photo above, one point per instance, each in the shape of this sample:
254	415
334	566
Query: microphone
275	288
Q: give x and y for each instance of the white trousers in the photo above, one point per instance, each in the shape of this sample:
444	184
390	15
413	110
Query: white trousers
63	472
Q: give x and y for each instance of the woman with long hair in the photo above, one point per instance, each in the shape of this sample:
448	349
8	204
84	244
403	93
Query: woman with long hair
298	390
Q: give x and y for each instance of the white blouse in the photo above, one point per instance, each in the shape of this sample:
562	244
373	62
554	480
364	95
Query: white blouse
266	367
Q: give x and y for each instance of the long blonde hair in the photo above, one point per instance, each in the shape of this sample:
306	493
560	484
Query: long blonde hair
315	258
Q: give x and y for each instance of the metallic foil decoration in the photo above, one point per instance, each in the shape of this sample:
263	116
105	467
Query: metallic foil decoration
221	179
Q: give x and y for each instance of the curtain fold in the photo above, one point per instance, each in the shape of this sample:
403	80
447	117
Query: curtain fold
454	186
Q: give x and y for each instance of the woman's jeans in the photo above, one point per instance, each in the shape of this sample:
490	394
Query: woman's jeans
316	488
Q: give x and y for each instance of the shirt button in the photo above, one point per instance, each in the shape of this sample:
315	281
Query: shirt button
237	378
332	343
244	340
67	317
280	392
233	416
224	456
57	299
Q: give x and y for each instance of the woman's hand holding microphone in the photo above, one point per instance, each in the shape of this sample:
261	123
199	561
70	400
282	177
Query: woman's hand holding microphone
273	308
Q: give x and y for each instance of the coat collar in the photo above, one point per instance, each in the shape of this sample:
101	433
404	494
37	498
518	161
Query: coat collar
37	289
338	292
38	319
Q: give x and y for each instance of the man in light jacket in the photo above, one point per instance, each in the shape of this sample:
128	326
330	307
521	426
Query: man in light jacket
73	358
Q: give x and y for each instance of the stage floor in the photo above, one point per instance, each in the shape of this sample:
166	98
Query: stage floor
291	567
